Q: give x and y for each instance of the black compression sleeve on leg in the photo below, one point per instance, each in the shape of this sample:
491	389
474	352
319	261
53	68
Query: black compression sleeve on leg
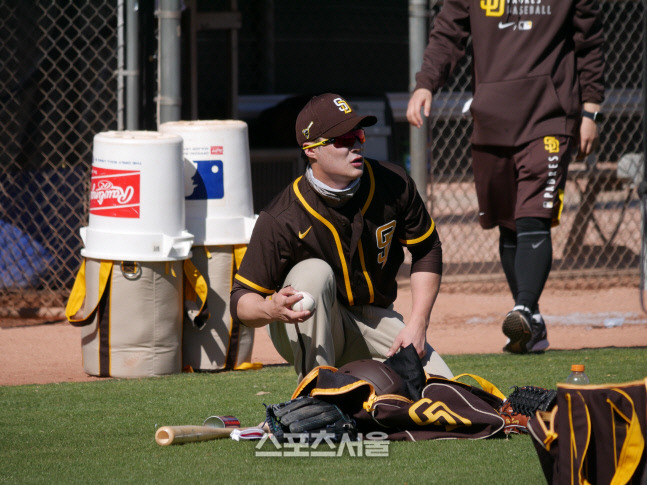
507	253
533	260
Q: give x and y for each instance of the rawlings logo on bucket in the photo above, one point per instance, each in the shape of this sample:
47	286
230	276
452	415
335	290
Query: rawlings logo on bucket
114	193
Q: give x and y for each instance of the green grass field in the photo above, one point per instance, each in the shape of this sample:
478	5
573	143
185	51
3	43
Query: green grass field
103	432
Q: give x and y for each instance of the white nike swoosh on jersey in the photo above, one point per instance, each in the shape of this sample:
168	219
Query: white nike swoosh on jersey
506	25
536	245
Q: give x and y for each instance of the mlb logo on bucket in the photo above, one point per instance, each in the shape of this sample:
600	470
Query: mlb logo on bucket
205	181
114	193
216	150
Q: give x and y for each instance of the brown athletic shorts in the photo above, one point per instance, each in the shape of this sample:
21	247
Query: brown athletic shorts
524	181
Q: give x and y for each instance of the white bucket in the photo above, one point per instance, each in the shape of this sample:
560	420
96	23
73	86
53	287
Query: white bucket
137	198
217	180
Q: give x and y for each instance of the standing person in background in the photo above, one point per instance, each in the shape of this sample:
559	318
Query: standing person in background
338	232
538	82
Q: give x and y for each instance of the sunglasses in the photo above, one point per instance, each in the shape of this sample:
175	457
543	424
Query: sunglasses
343	141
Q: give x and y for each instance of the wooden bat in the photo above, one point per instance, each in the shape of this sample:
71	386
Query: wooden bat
173	435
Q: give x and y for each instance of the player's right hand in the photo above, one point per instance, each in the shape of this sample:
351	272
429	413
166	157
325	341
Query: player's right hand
256	311
283	301
420	101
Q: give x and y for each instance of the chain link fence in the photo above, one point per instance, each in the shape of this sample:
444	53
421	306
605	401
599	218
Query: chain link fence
58	88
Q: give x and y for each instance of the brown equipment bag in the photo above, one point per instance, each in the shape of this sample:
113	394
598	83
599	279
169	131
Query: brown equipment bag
595	434
445	409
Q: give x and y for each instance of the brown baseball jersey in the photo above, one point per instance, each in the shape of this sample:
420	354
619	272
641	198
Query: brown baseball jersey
362	241
534	63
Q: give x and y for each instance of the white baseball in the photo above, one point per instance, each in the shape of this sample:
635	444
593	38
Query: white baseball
307	303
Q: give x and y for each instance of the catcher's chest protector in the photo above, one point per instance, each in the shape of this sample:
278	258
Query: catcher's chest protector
595	435
221	343
130	314
447	408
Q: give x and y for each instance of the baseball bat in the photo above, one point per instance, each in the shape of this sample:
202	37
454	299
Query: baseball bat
173	435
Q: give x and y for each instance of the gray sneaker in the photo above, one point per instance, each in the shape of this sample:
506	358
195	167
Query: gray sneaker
539	340
517	327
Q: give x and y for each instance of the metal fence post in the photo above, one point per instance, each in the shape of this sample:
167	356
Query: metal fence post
132	64
418	136
169	73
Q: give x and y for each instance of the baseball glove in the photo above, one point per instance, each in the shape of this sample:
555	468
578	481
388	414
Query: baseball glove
307	416
522	404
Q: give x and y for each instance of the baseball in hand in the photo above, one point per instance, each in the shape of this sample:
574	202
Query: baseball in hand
307	303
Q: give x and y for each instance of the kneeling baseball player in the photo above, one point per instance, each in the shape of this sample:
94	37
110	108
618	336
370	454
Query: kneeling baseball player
338	233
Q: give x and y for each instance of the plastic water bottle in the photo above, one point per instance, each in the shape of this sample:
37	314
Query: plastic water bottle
577	375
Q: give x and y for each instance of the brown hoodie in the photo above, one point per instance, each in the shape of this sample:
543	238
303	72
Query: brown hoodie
534	63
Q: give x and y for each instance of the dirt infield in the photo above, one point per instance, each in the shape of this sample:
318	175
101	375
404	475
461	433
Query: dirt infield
40	353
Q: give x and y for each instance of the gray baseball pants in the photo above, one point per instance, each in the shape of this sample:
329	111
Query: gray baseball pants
337	334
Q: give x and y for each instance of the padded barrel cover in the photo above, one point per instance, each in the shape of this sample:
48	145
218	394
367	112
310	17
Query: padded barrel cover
221	343
131	319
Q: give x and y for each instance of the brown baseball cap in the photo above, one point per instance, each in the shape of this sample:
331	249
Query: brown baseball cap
328	115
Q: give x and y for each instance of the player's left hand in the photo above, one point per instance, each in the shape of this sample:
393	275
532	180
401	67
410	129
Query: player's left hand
410	334
588	132
588	138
